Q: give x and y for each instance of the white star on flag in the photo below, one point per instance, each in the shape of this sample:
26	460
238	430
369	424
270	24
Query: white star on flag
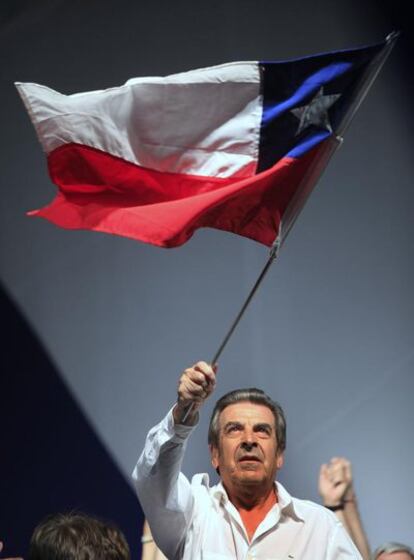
315	112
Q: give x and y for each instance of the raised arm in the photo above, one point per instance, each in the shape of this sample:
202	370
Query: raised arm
337	491
164	492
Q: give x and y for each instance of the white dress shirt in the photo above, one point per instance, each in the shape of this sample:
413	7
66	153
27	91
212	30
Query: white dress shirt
193	521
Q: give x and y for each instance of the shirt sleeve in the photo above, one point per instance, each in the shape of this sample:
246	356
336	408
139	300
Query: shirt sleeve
341	546
164	492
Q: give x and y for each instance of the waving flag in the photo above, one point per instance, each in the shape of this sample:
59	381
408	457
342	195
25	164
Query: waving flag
236	147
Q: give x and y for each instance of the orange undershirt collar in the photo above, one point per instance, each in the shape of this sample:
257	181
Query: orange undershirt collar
253	517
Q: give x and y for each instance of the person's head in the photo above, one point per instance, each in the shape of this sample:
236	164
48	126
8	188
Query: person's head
393	551
247	438
76	536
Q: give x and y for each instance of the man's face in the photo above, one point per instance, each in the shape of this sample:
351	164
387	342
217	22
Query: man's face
395	556
247	453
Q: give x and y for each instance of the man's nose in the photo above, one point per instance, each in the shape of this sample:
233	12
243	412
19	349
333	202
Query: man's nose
249	440
248	445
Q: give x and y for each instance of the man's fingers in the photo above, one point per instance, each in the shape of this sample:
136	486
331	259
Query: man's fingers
341	470
324	470
335	472
201	373
195	376
192	389
338	461
196	383
207	370
202	366
324	479
348	470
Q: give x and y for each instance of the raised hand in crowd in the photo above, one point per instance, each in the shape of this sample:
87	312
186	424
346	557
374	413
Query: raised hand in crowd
335	483
336	488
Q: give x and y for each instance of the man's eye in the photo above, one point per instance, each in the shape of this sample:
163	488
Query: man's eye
263	430
234	428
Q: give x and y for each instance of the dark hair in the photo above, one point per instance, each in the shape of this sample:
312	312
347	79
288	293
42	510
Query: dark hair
76	536
253	395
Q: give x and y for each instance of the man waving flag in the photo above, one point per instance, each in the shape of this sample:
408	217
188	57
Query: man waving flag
236	147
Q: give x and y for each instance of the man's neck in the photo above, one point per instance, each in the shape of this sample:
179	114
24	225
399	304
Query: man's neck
252	497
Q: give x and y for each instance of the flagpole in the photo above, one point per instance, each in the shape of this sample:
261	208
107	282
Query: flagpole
272	257
274	251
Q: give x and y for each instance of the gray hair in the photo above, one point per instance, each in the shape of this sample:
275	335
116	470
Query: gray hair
391	547
252	395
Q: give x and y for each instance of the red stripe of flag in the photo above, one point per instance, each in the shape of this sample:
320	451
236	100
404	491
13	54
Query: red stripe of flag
100	192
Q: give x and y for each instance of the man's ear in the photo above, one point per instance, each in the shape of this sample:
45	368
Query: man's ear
280	460
214	455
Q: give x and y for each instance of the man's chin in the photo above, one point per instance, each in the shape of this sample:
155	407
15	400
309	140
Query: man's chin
250	481
254	467
251	476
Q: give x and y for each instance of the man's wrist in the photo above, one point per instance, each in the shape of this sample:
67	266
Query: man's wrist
341	505
350	495
186	415
335	507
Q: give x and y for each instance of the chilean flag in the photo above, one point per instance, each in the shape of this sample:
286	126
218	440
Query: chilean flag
236	147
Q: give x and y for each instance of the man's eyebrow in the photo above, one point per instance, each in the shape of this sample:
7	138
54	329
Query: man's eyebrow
232	423
263	425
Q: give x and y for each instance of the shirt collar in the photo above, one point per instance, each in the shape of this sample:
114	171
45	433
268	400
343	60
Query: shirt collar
286	502
288	505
